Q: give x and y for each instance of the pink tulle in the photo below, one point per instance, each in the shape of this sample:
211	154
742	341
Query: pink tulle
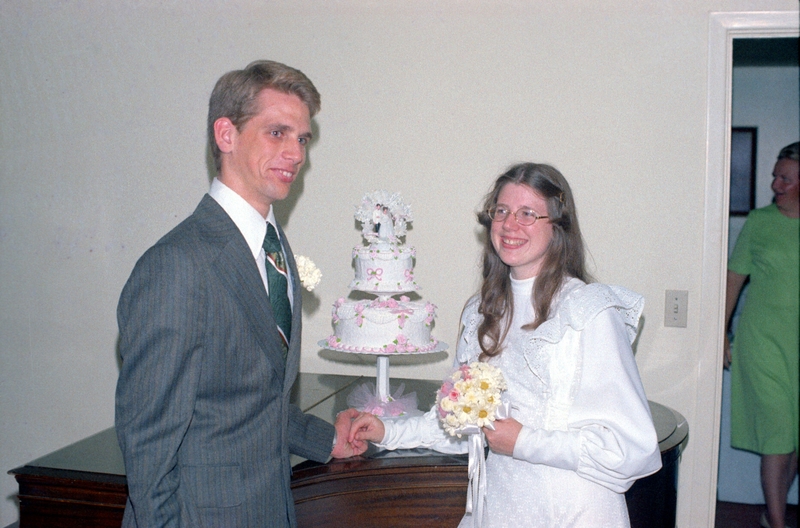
365	398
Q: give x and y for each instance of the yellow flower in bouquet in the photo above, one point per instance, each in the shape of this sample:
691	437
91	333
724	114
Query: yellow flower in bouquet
469	398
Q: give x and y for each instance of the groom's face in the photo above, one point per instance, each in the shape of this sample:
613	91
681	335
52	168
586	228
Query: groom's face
261	161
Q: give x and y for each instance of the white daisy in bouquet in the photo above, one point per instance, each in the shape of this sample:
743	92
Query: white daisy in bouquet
469	398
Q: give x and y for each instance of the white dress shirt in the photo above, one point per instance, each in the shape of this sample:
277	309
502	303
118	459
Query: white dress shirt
251	224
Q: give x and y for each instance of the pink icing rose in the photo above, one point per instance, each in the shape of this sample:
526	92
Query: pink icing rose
402	344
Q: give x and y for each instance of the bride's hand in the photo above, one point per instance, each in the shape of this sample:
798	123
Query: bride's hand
504	436
366	427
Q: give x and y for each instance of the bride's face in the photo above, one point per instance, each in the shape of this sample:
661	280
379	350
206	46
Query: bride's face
523	248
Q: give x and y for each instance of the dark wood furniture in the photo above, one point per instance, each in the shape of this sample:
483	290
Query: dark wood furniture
381	492
83	485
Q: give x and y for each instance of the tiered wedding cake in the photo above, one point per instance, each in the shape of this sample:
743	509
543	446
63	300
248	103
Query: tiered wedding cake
383	267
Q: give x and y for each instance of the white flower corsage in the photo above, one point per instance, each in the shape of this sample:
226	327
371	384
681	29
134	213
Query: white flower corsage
310	275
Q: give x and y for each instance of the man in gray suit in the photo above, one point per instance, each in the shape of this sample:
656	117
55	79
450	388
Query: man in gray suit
209	350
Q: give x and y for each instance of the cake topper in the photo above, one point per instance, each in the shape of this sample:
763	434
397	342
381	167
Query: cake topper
383	216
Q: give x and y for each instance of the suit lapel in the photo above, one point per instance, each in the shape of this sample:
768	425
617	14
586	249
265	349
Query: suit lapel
237	270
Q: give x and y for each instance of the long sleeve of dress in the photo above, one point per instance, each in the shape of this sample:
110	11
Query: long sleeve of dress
609	438
420	431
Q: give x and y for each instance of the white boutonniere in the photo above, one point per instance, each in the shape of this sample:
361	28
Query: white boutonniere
310	275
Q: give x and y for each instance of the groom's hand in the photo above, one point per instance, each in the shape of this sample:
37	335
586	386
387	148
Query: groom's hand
345	446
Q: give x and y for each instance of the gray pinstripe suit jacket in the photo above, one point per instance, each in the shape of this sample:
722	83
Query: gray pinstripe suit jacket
202	405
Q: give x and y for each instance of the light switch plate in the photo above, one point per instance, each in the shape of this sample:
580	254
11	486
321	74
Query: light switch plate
676	307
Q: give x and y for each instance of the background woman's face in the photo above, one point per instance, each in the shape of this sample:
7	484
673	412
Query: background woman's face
785	184
523	248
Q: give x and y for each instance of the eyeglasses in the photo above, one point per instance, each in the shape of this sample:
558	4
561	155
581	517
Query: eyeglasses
524	216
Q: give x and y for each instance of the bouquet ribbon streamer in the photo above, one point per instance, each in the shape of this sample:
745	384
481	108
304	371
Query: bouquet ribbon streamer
476	489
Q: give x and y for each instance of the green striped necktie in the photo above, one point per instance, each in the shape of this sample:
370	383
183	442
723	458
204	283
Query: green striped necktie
278	283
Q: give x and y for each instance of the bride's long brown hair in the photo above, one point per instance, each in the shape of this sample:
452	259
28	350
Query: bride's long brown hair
564	257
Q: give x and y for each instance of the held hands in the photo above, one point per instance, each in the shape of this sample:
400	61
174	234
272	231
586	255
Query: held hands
354	430
367	428
504	436
345	446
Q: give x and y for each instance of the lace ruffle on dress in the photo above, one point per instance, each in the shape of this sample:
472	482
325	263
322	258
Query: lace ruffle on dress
587	431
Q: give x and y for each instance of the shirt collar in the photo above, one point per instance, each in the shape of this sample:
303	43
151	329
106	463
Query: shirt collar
249	221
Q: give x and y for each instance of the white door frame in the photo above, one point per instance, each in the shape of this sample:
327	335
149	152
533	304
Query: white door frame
723	28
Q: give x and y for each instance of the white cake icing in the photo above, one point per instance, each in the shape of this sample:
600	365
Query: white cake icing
384	325
383	267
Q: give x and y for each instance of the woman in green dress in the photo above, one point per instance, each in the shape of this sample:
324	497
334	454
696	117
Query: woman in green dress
764	359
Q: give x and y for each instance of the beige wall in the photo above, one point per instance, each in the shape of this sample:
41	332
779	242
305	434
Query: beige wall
102	150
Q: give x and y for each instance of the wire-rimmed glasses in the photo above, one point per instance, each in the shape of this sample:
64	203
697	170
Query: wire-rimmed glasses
525	216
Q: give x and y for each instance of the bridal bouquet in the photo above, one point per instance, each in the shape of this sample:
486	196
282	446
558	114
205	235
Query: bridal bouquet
470	397
469	400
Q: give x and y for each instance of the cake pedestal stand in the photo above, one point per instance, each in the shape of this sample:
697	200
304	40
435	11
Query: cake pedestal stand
382	377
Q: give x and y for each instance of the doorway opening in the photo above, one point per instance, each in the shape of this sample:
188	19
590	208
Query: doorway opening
764	118
723	29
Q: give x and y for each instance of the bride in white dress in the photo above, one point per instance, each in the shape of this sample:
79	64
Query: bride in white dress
580	431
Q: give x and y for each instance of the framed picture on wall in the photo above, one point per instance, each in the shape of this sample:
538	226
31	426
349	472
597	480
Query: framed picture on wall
743	170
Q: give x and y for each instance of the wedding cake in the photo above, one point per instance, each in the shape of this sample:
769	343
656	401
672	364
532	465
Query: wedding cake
383	267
